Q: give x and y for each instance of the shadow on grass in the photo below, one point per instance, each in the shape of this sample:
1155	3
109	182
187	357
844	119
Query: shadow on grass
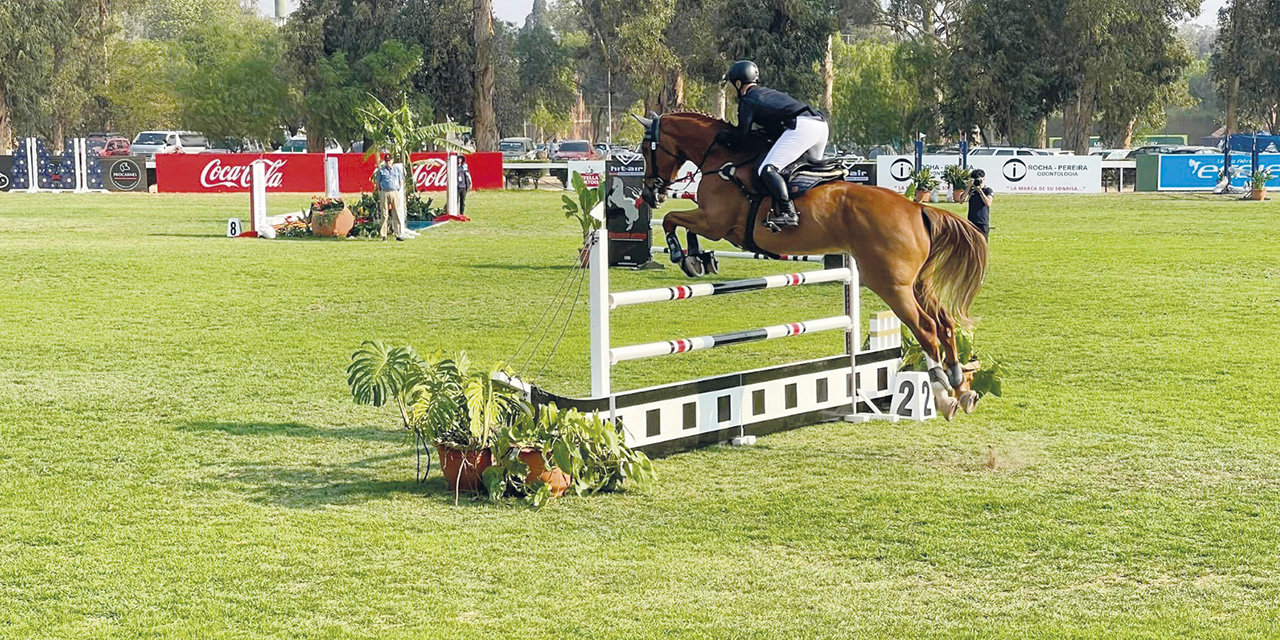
312	486
523	267
321	485
298	430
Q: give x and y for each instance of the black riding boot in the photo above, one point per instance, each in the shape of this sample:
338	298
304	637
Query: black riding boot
784	212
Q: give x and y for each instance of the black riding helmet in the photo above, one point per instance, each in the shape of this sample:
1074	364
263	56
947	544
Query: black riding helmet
744	71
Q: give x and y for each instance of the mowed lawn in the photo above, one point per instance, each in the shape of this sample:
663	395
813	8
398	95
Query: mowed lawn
179	456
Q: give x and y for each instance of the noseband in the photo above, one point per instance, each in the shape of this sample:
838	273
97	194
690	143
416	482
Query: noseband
652	145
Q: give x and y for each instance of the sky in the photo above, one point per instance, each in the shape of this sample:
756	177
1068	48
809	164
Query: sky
516	10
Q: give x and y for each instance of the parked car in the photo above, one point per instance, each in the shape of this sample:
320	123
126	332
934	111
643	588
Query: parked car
99	142
298	144
1110	154
149	143
1149	149
1007	151
574	150
107	144
516	148
1194	150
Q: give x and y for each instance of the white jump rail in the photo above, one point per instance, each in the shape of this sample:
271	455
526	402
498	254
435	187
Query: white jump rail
685	345
686	292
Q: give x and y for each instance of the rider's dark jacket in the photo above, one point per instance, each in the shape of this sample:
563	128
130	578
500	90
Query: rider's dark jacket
772	111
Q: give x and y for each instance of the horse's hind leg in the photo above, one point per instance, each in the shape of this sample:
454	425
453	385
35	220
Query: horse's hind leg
951	353
902	300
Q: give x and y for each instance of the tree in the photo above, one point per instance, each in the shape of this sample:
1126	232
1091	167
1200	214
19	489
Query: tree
929	29
239	90
486	125
1104	42
545	65
1001	75
787	38
873	102
1246	62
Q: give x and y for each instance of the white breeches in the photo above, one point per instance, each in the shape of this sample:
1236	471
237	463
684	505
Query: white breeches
808	139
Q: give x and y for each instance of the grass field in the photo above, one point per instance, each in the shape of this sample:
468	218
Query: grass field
179	456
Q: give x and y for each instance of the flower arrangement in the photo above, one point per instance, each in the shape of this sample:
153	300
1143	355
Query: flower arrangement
327	209
293	228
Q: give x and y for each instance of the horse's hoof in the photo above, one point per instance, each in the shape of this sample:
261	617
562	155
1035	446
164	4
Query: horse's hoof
947	407
710	263
692	266
969	401
957	378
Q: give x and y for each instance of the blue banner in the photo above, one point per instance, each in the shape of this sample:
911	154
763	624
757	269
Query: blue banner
1199	172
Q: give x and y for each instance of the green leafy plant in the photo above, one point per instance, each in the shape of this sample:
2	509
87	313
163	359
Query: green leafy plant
987	379
587	199
1258	180
956	176
397	132
923	180
590	450
440	399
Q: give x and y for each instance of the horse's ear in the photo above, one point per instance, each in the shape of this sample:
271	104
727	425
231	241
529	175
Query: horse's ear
644	122
653	116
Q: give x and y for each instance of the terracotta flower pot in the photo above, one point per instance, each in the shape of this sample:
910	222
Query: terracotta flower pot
957	195
1258	194
339	228
462	469
538	471
921	194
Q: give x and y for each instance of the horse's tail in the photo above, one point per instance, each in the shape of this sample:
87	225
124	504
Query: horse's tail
955	268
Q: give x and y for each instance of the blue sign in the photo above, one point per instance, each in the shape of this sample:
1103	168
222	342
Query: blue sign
1199	172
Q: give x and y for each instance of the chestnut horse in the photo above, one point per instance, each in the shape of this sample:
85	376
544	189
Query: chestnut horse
927	264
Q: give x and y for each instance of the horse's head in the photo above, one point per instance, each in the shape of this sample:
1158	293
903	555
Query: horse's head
660	164
669	142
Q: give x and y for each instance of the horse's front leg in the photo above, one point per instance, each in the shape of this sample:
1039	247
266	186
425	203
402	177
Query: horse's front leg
694	262
675	220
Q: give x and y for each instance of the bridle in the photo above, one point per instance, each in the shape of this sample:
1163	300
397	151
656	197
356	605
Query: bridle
651	145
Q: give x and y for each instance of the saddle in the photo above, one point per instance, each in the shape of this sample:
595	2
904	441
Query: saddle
803	175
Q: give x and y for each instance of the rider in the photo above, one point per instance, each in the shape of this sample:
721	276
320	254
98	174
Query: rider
794	128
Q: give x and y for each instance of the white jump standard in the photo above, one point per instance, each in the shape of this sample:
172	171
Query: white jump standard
738	405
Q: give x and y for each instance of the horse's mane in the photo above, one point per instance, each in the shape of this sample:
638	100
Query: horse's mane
697	115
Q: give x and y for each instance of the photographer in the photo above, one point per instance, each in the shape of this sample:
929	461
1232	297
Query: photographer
980	197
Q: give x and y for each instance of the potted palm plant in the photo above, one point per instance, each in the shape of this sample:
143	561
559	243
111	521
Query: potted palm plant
1258	184
923	183
958	178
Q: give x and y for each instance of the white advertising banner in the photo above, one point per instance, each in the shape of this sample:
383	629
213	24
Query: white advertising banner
1005	174
592	172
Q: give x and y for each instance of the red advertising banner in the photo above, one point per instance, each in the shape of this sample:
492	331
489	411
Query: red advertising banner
304	172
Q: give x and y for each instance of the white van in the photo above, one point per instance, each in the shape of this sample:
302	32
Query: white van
149	143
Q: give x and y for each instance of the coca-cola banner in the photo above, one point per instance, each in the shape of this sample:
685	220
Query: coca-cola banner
304	172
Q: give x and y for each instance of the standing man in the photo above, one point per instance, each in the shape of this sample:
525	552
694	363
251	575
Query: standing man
389	179
794	128
464	185
980	197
